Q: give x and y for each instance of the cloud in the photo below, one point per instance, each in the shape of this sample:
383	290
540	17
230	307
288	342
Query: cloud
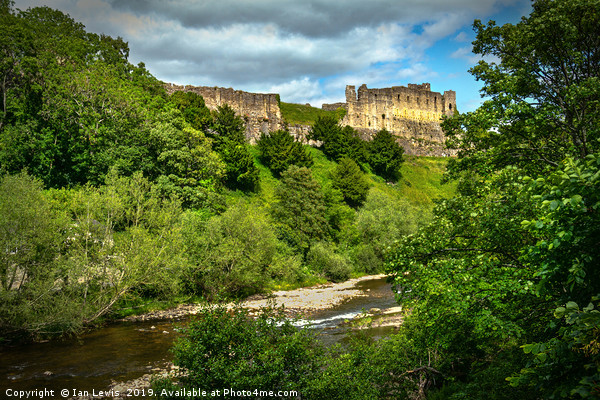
299	48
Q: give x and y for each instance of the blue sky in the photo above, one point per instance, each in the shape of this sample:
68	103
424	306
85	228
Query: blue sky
307	51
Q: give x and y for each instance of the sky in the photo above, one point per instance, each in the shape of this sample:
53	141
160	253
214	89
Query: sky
305	50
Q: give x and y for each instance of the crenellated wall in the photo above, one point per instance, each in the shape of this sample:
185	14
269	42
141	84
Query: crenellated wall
412	113
260	111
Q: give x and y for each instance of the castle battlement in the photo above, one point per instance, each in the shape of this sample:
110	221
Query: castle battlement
413	113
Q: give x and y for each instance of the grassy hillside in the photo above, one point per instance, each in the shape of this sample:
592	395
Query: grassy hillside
420	184
421	180
304	114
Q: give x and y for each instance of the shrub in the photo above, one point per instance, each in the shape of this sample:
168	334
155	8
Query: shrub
323	259
225	348
230	254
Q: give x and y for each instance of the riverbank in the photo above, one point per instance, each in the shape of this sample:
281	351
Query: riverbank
301	301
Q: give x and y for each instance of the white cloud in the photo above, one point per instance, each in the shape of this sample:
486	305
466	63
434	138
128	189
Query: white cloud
307	50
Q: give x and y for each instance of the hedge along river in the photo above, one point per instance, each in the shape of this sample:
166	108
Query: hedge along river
127	350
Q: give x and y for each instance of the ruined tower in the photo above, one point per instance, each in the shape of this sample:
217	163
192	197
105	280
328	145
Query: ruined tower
411	113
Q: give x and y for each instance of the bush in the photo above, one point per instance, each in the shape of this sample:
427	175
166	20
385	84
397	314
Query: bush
323	259
230	254
383	220
225	348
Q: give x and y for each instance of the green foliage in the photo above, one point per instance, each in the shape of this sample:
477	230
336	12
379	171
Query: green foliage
240	171
182	161
193	108
229	349
300	208
72	104
386	155
29	232
544	93
520	237
227	126
338	142
349	179
323	259
83	252
383	221
568	364
228	133
230	254
278	151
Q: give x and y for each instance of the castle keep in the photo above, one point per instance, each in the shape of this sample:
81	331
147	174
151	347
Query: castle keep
412	113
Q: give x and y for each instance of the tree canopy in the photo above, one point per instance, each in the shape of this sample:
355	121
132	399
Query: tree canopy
505	278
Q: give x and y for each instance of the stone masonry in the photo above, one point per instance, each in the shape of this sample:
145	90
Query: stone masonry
260	112
412	113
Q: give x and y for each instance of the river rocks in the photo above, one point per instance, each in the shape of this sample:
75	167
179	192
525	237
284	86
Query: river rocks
296	302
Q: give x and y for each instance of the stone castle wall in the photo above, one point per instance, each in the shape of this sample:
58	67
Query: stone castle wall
260	111
334	106
412	113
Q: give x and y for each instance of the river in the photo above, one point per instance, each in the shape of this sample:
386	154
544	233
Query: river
127	350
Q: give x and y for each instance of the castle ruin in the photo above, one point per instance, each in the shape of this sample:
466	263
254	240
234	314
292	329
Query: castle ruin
260	111
411	113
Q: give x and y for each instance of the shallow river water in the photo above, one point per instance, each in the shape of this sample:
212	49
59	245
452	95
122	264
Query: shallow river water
128	350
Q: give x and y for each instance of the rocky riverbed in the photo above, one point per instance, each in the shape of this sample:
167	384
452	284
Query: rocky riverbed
304	301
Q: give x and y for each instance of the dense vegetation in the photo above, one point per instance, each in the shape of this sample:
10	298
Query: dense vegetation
114	194
503	285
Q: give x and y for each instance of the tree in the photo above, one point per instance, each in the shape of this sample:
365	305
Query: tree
518	242
70	255
181	160
337	142
278	151
193	108
230	142
544	90
351	181
300	208
72	104
231	254
227	126
386	155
